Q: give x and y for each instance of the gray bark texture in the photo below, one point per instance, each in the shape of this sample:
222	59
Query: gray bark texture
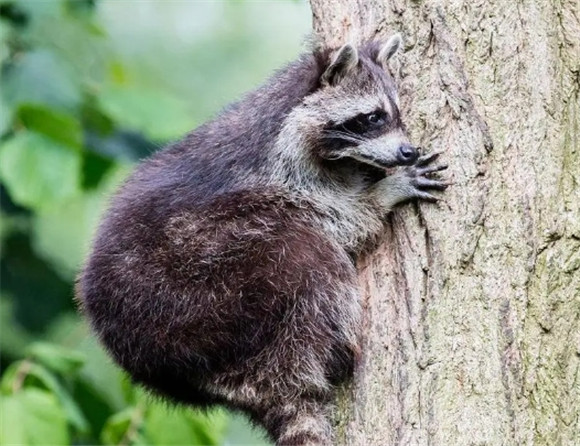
472	306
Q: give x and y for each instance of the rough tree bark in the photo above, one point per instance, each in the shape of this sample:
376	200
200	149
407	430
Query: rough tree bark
472	324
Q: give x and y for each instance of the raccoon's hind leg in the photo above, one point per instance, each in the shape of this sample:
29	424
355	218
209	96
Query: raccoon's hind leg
288	386
300	420
300	423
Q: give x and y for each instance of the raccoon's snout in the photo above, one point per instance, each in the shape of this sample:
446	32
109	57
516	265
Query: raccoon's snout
407	154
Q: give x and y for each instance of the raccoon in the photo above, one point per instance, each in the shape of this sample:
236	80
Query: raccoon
223	272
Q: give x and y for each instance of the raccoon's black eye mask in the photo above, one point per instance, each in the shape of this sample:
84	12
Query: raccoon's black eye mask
365	123
362	126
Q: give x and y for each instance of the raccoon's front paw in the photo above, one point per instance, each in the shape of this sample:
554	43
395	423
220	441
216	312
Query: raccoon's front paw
407	183
420	177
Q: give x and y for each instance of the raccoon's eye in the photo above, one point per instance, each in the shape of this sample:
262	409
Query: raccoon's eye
375	119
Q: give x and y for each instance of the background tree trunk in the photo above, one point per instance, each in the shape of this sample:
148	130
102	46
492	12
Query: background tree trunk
472	324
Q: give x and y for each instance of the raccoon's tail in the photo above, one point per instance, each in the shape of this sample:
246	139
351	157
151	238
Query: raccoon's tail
303	424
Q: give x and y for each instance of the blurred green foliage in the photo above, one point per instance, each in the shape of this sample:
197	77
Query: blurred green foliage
87	89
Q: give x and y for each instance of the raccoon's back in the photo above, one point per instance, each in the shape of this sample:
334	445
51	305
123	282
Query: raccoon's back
202	288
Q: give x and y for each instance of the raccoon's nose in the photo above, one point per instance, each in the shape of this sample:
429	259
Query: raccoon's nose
408	154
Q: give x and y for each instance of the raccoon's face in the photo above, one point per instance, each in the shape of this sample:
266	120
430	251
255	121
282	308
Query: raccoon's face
357	109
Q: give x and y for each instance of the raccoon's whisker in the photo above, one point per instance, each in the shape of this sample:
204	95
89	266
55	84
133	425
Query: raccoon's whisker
336	134
344	138
346	131
342	135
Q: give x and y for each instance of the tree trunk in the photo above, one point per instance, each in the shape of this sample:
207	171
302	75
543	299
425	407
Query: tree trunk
472	321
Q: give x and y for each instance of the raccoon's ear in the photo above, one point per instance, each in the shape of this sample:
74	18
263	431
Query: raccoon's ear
389	49
342	63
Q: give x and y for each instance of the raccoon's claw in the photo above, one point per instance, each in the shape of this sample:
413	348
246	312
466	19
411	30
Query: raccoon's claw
431	169
428	158
426	196
428	183
421	176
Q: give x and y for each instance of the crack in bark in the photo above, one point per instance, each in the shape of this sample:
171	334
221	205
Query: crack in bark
457	90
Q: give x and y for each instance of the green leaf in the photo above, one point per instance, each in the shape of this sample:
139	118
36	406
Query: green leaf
65	245
62	244
32	417
9	377
38	171
82	8
101	373
12	431
94	406
55	357
14	337
166	425
94	119
241	432
116	427
5	116
210	426
157	115
61	127
5	30
129	390
38	168
95	168
35	376
40	76
70	408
